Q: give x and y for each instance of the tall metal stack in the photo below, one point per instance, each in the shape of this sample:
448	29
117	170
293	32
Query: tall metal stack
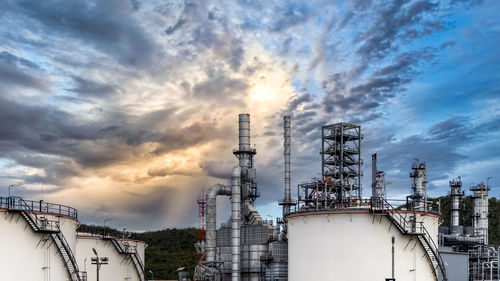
245	154
455	194
418	186
287	201
341	160
480	215
378	180
242	245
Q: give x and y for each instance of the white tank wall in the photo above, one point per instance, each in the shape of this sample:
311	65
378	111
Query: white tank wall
120	267
343	246
25	256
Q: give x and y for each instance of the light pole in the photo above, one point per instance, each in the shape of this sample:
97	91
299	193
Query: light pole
152	276
15	185
98	261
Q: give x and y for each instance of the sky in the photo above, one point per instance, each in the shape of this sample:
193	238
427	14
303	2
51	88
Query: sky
127	110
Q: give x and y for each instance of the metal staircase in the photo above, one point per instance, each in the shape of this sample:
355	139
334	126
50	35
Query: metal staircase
41	224
412	227
131	251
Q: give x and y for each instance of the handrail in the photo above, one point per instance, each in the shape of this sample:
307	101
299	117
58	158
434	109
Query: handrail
76	272
12	202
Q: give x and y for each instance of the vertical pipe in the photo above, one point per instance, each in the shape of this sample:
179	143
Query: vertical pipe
287	147
360	188
322	152
374	175
235	224
341	191
211	223
393	240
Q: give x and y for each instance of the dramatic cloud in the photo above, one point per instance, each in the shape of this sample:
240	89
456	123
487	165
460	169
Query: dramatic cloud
128	109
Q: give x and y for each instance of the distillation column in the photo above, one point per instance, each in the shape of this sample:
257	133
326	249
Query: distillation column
419	183
480	215
245	154
455	194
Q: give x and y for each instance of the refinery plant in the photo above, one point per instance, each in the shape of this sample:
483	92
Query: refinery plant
328	232
331	232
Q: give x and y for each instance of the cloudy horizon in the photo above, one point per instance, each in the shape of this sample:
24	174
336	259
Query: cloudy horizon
128	109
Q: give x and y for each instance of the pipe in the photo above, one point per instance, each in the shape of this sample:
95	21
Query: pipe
211	222
374	176
287	145
235	224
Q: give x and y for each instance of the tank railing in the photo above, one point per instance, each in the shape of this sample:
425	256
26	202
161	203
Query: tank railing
39	223
407	226
39	206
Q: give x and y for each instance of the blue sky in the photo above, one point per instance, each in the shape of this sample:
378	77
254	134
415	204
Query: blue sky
128	109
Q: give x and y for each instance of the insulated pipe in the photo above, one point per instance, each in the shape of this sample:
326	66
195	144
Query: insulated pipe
211	223
235	224
287	145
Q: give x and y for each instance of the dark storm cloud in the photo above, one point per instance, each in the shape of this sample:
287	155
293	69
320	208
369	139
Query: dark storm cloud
18	71
341	95
173	28
380	38
106	25
89	88
49	133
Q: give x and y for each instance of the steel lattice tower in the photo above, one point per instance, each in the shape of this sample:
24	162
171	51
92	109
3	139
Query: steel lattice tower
341	159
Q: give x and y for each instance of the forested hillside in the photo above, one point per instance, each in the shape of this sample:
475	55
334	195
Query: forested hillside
467	206
170	249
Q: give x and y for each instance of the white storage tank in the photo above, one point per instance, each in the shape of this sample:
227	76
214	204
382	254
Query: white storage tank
356	244
125	257
29	250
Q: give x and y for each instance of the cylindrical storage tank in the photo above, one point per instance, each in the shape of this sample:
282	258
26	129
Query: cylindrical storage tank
353	245
121	266
30	255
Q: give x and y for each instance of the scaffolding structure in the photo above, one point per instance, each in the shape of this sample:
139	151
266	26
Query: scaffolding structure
483	263
341	161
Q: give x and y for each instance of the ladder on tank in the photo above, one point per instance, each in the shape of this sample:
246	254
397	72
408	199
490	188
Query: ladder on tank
132	253
51	227
381	206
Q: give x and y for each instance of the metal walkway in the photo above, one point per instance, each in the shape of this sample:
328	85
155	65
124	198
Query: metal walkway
50	227
124	248
412	227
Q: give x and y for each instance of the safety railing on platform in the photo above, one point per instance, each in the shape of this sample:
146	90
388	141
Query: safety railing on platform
41	206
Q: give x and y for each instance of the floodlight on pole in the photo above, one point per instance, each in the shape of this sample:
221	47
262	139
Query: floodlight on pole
15	185
98	261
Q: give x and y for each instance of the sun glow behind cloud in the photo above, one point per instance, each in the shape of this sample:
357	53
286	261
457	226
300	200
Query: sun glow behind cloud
128	111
